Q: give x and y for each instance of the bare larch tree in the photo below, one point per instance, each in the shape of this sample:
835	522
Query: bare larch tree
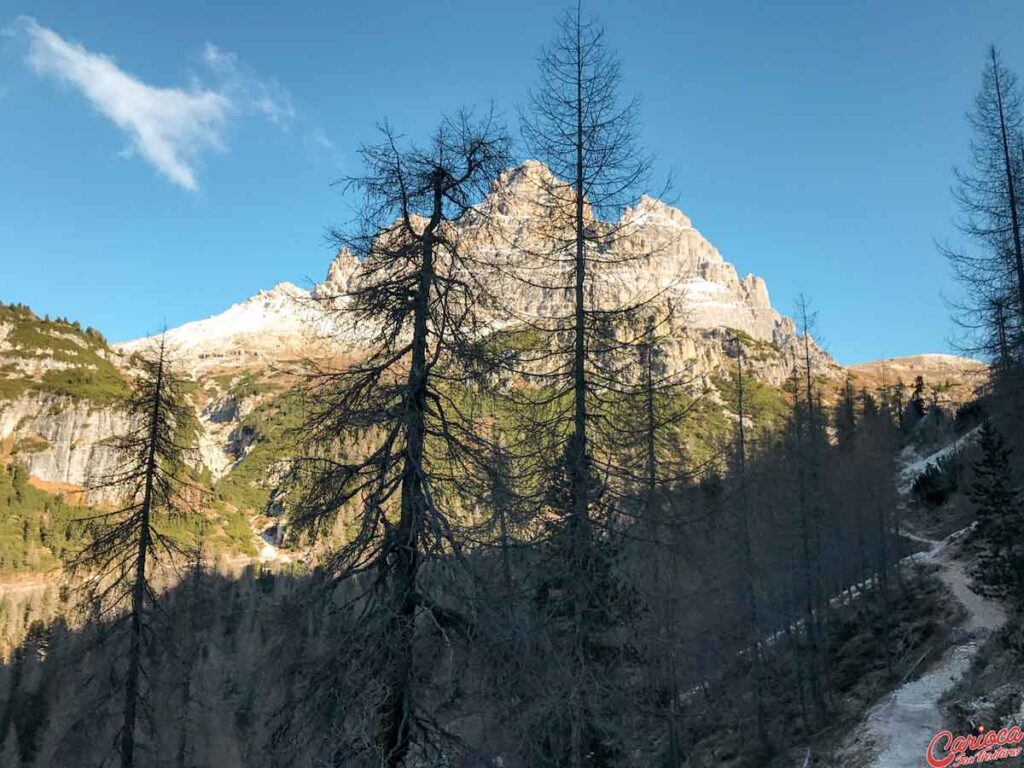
390	440
989	196
748	565
151	483
577	126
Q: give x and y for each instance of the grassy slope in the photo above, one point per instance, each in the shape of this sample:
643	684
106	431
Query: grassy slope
85	371
41	531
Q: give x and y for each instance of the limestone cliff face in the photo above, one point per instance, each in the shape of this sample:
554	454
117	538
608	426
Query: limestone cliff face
67	442
223	439
58	384
341	276
652	253
60	440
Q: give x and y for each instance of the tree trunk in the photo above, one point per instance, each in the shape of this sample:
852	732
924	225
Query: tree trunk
753	626
810	534
131	688
1011	190
579	460
1004	351
406	542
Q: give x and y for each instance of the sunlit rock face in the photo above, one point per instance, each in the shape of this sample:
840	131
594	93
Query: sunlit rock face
651	256
60	440
340	278
654	252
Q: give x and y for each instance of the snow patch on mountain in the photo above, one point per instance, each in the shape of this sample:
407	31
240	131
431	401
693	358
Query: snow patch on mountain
271	325
275	311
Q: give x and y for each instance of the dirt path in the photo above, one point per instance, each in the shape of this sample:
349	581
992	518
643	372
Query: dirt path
897	730
32	585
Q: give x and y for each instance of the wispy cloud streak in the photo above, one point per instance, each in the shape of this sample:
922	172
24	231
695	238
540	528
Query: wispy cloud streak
168	126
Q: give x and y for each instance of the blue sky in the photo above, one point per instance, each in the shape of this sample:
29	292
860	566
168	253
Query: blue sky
810	142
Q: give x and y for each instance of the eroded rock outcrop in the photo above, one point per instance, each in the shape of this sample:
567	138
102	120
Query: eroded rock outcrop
60	440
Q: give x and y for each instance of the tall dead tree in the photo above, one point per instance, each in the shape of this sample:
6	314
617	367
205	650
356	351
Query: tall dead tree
806	426
578	127
661	401
150	481
991	199
748	565
877	448
389	438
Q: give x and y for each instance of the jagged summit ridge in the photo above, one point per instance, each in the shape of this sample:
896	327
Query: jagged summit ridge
651	210
657	251
341	273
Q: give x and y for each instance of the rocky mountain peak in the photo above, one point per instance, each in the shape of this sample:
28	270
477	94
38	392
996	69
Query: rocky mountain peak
282	290
655	252
528	175
340	272
522	193
650	211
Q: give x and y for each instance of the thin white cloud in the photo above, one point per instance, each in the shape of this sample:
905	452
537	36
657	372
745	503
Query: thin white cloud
240	84
319	138
322	145
168	127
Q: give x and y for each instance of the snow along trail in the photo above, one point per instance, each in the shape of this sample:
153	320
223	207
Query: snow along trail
898	729
913	468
